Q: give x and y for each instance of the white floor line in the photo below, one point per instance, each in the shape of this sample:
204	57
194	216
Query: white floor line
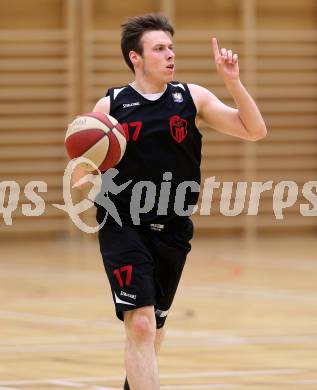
73	338
201	342
62	348
69	301
177	336
199	386
105	388
26	382
180	375
238	373
55	320
289	296
116	334
65	383
53	273
9	388
304	382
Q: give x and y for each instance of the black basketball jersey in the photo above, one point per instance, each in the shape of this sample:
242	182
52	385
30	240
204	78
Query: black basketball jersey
162	137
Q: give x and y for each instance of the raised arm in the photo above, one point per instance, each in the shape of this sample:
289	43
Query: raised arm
245	121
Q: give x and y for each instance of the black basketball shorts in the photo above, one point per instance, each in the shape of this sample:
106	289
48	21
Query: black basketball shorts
144	266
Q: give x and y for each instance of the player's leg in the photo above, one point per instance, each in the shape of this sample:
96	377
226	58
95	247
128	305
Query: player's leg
140	356
168	275
159	337
171	252
130	269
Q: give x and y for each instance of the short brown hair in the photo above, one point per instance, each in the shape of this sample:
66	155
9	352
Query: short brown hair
135	27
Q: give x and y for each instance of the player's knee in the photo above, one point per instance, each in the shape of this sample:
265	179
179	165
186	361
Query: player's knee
141	325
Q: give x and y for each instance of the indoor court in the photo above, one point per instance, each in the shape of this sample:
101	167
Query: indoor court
245	313
243	318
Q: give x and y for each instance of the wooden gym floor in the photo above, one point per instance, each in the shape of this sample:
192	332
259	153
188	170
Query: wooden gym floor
245	317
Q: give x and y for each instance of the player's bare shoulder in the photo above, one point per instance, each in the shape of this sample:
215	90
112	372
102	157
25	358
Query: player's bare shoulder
103	105
200	94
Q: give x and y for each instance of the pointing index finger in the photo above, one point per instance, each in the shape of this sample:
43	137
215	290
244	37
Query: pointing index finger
215	47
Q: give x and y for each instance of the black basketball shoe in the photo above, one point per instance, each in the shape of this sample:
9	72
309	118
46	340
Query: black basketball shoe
126	384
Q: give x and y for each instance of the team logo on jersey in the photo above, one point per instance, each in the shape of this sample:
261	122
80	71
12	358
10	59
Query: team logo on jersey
178	128
177	97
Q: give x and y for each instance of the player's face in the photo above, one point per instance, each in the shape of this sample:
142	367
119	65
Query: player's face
158	58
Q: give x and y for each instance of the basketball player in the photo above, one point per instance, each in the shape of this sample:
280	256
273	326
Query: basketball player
162	117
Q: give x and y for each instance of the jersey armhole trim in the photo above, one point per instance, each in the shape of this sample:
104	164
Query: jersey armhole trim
190	97
195	108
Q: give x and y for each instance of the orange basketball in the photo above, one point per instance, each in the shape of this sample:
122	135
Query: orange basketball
98	137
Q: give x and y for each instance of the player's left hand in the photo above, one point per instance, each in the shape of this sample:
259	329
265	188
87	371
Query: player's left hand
226	62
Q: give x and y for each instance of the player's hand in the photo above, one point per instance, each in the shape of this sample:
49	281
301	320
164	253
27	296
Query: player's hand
226	62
